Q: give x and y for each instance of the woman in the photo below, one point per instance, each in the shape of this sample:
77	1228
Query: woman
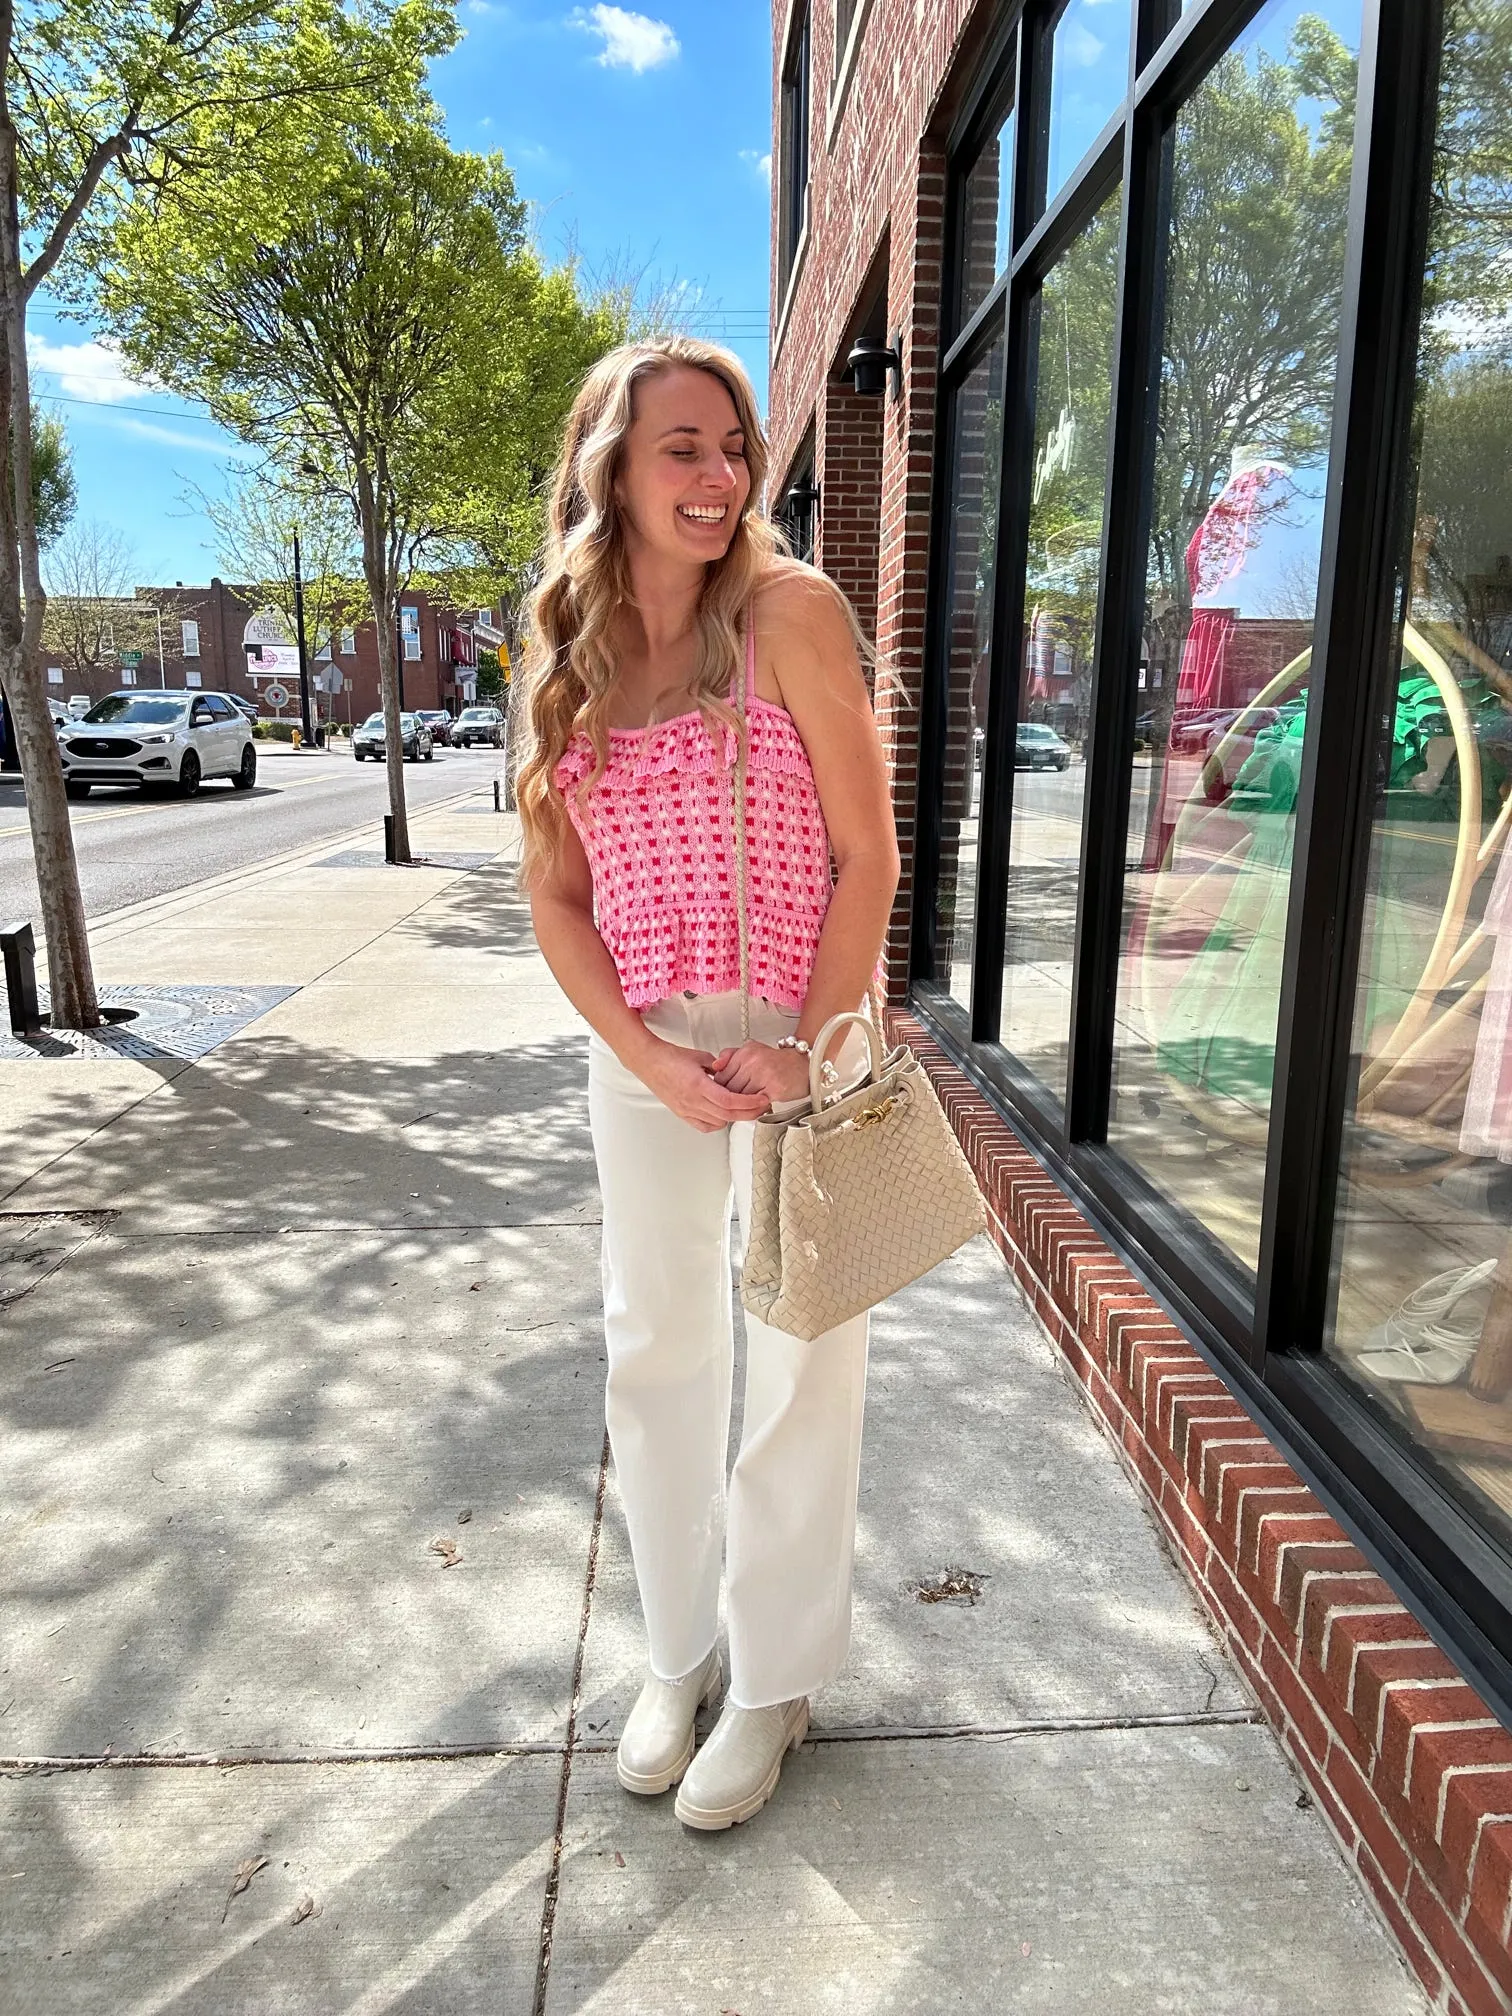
663	587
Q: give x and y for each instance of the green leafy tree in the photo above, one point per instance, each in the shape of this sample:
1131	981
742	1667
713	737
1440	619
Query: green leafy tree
256	518
108	106
1259	193
376	313
55	495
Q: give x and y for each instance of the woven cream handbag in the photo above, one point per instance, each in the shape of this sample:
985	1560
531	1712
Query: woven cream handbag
852	1200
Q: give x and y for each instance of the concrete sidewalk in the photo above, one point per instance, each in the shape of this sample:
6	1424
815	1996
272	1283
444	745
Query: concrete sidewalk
276	1322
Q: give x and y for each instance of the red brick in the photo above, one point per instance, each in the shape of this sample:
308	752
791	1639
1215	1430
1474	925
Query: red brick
1409	1937
1453	1952
1300	1707
1365	1811
1234	1604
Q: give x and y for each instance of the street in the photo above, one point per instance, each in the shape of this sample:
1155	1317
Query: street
132	847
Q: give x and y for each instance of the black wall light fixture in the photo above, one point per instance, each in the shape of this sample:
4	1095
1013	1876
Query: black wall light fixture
872	363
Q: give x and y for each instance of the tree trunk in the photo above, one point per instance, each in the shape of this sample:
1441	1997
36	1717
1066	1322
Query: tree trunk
383	593
22	606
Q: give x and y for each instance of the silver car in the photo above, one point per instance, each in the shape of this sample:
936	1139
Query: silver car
158	738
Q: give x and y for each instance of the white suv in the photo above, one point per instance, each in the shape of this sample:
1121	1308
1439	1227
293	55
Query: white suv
158	738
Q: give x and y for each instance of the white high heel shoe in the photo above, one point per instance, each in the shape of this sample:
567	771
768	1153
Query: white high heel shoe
1430	1338
658	1743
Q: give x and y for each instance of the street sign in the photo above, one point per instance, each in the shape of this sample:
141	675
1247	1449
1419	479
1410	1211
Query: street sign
131	658
276	696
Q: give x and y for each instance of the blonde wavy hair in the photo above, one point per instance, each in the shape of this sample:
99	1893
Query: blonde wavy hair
569	670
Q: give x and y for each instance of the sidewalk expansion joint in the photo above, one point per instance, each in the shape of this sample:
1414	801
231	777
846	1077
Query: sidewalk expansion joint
605	1746
554	1872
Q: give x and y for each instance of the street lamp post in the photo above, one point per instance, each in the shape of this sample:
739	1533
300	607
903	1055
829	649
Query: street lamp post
400	621
299	638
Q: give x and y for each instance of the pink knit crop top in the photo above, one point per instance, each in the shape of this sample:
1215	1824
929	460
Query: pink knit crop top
659	836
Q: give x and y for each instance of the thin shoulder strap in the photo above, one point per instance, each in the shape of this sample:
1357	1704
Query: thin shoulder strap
742	900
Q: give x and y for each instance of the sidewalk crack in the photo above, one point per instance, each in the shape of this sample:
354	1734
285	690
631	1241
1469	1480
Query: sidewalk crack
554	1872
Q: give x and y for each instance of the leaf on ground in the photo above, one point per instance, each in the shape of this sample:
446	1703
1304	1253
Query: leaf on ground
464	1515
447	1549
245	1871
619	1860
305	1908
474	1287
1025	1949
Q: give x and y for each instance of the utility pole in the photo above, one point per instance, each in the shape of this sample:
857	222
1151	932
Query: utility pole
299	638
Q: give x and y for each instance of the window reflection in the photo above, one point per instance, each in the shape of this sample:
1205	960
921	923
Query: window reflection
1089	77
1423	1315
1071	418
986	217
1259	191
977	454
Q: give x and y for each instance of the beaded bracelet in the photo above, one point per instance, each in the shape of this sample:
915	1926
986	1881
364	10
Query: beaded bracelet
828	1075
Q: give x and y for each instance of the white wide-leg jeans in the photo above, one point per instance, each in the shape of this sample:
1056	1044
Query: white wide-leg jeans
786	1518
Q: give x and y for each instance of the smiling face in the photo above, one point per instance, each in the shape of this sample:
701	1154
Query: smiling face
683	480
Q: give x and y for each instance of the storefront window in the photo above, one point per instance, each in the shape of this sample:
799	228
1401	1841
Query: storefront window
1089	74
1071	417
986	217
977	435
1255	257
1423	1311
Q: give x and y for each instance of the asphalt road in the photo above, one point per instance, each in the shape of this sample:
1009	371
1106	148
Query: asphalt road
131	847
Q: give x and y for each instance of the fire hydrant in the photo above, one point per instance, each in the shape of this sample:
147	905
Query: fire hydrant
295	739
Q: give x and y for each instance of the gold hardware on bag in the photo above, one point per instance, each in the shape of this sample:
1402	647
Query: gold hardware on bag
870	1115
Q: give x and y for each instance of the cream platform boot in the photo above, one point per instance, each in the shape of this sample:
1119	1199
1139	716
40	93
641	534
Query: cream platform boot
736	1771
657	1746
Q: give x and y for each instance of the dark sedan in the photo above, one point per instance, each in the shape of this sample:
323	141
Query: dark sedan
368	740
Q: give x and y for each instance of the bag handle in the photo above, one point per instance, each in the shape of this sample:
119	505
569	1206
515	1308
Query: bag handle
821	1050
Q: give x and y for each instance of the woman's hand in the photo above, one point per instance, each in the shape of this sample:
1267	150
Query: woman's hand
684	1080
759	1067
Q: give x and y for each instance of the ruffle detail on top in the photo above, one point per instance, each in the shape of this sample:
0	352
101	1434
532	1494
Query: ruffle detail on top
684	747
659	951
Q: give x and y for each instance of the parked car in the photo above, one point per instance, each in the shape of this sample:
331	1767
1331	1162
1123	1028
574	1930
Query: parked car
1036	746
369	739
158	738
479	724
248	707
439	723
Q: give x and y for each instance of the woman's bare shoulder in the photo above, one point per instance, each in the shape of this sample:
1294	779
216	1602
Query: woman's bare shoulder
796	604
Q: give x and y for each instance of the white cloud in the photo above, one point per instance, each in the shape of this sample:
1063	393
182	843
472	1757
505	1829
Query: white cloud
175	437
90	370
762	163
631	41
1079	45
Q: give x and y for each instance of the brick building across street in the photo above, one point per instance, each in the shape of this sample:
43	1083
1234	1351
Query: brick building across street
1218	1011
203	632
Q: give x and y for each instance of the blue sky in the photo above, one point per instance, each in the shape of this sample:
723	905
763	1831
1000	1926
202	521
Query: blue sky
642	138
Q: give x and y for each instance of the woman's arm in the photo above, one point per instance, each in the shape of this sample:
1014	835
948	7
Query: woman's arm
807	637
562	914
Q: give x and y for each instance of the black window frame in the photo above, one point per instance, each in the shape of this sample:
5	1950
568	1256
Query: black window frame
1266	1339
794	122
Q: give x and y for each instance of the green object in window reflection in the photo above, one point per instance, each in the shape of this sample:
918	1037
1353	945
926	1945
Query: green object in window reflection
1218	1033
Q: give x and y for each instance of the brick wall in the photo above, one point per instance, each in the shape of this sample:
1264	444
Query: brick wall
222	614
1399	1753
